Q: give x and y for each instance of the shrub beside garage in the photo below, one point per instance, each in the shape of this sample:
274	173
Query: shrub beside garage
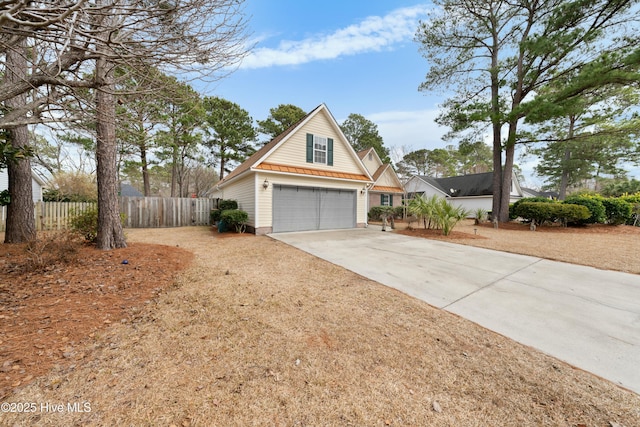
228	216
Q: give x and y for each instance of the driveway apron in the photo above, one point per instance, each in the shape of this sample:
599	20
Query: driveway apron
587	317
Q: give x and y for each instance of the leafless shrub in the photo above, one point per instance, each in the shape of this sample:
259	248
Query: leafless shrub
52	249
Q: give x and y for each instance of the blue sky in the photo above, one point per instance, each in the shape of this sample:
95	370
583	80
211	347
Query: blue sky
354	56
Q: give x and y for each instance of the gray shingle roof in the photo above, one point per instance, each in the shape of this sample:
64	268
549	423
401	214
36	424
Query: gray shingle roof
477	184
127	190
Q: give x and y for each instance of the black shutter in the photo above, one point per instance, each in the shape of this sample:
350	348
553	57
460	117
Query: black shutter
309	148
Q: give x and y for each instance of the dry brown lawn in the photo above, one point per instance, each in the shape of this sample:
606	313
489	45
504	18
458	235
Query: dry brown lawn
254	332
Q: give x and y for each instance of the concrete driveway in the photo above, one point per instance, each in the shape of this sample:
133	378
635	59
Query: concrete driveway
587	317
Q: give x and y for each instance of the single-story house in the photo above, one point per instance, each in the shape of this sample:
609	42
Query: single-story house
473	191
307	178
128	190
530	192
37	184
387	189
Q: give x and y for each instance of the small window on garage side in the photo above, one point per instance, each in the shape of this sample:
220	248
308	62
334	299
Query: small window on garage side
319	149
385	200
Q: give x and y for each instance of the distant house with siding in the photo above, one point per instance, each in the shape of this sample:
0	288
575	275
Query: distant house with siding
37	184
387	188
473	191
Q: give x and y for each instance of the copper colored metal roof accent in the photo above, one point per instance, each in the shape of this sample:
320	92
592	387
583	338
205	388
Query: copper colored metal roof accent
309	171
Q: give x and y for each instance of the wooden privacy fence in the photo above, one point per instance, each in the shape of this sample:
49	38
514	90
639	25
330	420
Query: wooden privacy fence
156	212
140	212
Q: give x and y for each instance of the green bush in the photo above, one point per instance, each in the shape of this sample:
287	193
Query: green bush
514	206
214	216
595	206
224	205
85	223
617	211
235	218
538	212
542	212
375	213
634	201
568	213
631	198
5	198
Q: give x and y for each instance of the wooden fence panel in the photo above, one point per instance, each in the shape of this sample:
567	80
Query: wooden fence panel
139	212
155	212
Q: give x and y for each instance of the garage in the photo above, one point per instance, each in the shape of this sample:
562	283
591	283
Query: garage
298	208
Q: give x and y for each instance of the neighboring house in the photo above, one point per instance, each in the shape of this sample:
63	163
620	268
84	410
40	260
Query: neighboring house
474	191
128	190
529	192
387	188
307	178
37	184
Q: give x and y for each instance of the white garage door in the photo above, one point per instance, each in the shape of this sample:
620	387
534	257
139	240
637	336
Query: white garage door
309	208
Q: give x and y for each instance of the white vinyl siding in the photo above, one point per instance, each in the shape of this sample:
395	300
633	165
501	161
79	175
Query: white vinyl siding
4	180
242	191
388	179
293	152
35	185
371	162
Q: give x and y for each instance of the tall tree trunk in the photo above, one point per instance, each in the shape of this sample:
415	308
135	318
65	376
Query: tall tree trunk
497	174
222	160
507	174
564	179
110	233
145	170
21	223
496	123
174	169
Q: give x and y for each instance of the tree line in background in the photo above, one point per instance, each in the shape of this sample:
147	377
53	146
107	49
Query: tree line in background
174	142
75	62
558	77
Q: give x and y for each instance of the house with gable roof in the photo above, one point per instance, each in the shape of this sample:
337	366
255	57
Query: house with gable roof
473	191
37	184
386	189
307	178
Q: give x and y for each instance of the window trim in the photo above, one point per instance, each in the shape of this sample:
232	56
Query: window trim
323	142
311	149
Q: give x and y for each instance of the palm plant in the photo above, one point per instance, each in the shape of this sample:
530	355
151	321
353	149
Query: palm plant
387	213
424	209
480	216
448	215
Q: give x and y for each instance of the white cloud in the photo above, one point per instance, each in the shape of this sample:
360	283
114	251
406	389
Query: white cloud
411	129
414	130
373	34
